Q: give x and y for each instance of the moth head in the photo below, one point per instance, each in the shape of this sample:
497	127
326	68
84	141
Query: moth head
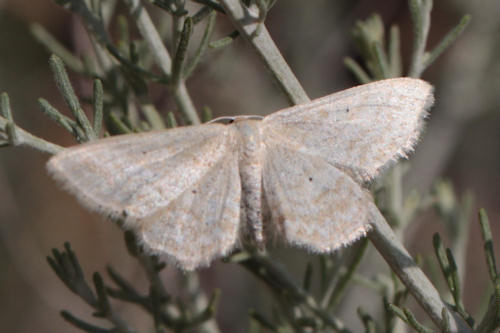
229	120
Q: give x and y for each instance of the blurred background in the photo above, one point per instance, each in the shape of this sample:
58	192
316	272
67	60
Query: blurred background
461	143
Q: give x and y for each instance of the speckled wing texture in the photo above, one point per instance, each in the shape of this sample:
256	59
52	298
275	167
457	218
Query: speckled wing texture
319	154
358	130
178	189
312	203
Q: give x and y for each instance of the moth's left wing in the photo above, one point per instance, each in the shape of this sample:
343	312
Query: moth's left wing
179	188
358	130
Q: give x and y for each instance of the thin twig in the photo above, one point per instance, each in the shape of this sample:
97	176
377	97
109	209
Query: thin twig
246	20
211	4
356	69
205	40
394	52
66	122
401	263
54	46
200	302
447	41
66	90
16	136
491	319
162	57
67	267
420	11
334	292
98	103
281	282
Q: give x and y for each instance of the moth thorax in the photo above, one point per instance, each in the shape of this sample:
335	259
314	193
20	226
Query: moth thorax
250	168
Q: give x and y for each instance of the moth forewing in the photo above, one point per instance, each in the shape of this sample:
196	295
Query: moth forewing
140	179
359	130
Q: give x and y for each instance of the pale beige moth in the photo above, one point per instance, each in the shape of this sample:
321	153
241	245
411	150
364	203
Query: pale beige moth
192	193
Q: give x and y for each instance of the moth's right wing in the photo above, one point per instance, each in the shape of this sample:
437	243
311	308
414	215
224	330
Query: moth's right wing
358	130
179	189
317	154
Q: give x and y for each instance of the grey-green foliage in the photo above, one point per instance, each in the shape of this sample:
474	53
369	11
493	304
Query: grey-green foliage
122	72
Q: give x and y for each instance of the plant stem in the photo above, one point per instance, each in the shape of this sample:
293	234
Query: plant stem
199	301
54	46
401	263
162	58
420	11
281	282
246	20
29	140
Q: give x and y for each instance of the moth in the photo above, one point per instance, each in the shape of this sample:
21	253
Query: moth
192	193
